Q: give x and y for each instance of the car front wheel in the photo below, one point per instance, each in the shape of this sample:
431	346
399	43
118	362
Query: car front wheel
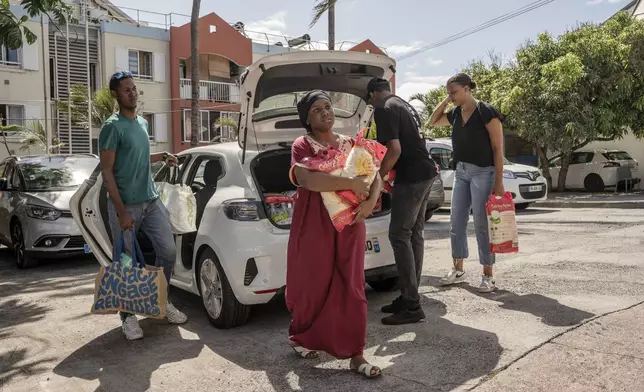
222	307
23	260
428	215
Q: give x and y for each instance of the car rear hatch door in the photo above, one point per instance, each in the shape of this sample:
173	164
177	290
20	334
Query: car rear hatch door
271	87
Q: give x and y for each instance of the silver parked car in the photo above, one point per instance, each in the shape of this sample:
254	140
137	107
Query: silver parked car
35	220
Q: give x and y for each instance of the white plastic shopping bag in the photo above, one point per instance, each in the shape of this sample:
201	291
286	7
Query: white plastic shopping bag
181	205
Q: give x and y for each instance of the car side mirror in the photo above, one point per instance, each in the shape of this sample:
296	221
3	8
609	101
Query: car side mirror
3	184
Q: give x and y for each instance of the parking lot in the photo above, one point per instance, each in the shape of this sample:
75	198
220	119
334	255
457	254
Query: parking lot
574	265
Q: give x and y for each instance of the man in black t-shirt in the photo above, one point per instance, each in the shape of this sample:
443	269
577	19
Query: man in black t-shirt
398	128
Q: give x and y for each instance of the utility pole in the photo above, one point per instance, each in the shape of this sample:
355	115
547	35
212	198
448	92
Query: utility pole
89	86
69	94
44	84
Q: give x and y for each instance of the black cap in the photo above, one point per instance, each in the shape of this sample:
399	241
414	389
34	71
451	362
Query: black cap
377	83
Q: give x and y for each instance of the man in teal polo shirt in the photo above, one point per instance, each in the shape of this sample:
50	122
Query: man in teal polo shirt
134	203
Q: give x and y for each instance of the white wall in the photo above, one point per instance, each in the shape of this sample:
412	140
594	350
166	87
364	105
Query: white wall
22	85
155	94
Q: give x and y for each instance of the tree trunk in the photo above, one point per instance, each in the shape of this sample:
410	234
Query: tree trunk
545	166
331	13
563	172
195	115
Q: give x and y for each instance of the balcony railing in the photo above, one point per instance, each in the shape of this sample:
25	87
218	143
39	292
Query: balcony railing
211	91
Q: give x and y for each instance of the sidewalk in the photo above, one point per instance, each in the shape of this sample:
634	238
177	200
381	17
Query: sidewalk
605	354
594	200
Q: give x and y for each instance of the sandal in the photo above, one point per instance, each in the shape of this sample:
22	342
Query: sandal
368	370
303	352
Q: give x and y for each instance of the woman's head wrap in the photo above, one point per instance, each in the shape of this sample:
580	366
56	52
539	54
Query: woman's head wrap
305	104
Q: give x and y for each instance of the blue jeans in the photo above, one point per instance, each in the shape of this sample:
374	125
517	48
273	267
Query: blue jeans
472	187
152	218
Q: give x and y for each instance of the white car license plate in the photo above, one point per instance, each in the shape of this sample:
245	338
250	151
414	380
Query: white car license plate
535	188
372	246
87	249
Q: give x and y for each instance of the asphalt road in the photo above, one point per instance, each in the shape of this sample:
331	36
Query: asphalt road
574	265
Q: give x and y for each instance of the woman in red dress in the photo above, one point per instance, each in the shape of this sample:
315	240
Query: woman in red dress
325	284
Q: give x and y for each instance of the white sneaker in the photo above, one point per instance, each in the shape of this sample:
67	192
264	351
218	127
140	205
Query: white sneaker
131	328
487	284
174	316
454	277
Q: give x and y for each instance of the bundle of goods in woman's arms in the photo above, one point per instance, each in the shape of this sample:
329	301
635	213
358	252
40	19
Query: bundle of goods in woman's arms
332	162
364	160
502	224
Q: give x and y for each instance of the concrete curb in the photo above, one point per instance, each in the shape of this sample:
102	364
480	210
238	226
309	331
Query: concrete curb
634	204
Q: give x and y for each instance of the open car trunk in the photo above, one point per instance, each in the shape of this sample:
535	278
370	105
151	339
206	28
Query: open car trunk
270	171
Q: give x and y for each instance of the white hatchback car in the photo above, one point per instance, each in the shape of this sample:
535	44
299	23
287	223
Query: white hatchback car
237	258
595	170
525	183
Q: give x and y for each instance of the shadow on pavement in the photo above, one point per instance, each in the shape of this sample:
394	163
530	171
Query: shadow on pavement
549	310
433	355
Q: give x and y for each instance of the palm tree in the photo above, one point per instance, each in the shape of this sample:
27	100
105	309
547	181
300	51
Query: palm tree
319	9
195	118
5	129
226	122
103	105
34	135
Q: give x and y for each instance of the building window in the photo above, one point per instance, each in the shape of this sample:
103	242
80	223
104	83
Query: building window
92	77
9	57
140	64
208	132
149	117
183	69
12	114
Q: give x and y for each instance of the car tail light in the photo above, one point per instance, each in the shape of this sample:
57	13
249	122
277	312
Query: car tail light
242	209
611	164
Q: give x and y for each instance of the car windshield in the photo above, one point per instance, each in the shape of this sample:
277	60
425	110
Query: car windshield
617	156
344	105
55	173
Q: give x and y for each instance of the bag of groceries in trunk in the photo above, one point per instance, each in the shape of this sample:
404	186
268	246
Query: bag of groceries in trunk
502	224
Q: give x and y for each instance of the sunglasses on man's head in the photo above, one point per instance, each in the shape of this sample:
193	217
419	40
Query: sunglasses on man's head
122	74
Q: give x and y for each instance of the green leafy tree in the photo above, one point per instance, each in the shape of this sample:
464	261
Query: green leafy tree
8	129
13	28
33	135
103	105
492	77
226	122
430	100
583	86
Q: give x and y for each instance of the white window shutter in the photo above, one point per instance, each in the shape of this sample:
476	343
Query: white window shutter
158	64
33	112
121	61
161	127
30	58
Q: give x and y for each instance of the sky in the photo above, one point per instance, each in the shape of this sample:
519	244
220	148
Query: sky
401	26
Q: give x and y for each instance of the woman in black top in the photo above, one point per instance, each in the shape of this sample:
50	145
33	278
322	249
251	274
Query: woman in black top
477	142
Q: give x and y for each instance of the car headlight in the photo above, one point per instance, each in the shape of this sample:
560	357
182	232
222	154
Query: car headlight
508	174
44	213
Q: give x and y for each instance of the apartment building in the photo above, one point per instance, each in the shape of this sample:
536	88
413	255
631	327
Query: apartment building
34	78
